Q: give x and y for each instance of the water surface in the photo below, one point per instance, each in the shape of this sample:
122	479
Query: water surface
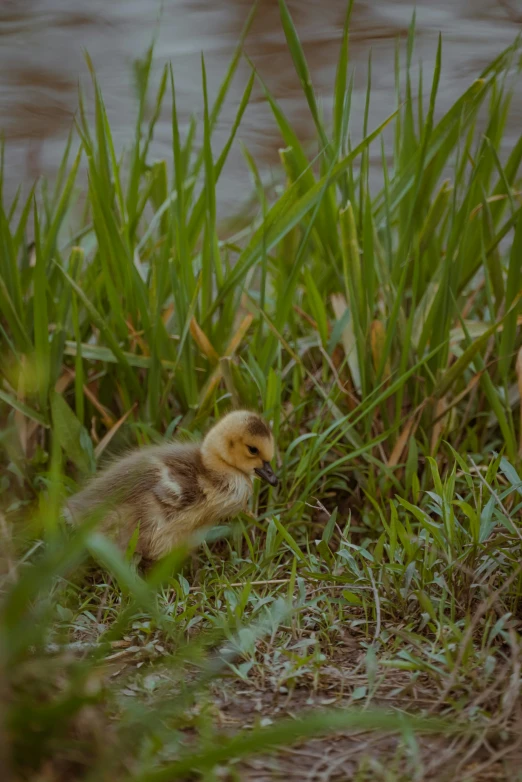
42	44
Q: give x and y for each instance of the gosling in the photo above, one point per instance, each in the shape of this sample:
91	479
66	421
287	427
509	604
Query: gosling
172	491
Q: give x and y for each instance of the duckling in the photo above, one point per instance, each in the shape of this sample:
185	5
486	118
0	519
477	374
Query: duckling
173	490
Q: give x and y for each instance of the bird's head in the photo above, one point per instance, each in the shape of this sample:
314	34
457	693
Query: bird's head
241	441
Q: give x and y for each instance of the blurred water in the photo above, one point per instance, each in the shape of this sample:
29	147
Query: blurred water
42	44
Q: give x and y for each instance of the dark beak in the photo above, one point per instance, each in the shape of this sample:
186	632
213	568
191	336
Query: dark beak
267	474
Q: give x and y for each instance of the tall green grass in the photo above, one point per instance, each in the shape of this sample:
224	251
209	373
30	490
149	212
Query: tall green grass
378	331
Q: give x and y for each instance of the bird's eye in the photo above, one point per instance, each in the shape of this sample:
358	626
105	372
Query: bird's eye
253	450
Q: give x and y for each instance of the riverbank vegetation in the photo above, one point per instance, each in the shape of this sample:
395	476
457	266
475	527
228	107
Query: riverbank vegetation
365	621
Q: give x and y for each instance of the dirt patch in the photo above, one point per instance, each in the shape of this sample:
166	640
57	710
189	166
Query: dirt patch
364	755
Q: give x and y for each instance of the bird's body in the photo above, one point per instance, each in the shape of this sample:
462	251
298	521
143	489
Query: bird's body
174	490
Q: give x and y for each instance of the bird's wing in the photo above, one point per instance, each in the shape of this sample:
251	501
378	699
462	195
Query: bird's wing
177	485
167	489
170	473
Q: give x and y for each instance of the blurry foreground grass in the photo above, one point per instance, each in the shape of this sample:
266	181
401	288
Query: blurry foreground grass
379	590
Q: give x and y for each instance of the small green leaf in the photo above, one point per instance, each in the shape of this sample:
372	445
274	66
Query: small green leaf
71	435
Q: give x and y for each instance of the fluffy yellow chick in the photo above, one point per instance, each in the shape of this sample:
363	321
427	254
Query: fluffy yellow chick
173	490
